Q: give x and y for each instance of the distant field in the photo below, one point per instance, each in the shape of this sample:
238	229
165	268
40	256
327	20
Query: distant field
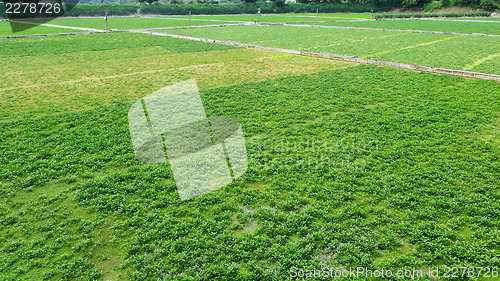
126	22
461	19
5	29
281	17
164	21
439	50
445	26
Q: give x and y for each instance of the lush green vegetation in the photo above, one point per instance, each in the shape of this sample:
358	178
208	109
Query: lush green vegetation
280	18
349	165
438	50
446	26
423	193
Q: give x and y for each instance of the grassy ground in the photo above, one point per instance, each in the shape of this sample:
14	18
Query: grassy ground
474	53
281	17
446	26
349	165
365	166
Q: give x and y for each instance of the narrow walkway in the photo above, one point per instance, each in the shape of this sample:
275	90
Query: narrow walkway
455	72
441	19
396	30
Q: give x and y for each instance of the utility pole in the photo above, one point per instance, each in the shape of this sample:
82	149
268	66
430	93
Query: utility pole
189	18
317	10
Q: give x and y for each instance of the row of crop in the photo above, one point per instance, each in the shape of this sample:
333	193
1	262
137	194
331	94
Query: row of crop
212	9
428	15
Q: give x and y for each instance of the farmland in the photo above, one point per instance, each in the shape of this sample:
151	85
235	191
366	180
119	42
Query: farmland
127	22
349	164
454	50
445	26
281	18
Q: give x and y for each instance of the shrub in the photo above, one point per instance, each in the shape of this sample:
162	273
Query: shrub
429	7
489	5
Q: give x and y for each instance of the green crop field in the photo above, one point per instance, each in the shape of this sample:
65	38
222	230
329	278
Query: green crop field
279	18
446	26
349	165
451	51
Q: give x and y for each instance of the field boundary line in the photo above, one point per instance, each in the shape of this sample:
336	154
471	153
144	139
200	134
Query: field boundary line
438	70
394	30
